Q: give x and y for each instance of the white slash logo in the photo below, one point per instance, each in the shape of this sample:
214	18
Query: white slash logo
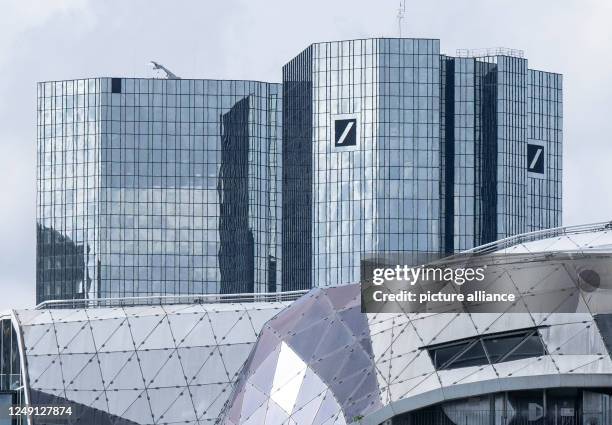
535	159
345	132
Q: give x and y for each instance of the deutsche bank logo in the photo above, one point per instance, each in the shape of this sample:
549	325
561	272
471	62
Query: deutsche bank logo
535	159
345	132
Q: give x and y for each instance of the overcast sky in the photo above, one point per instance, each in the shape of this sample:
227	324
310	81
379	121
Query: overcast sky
65	39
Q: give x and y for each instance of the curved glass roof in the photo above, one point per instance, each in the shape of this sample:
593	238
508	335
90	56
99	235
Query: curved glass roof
144	364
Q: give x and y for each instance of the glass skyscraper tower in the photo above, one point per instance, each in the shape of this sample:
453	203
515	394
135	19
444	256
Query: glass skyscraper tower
503	146
157	186
389	146
384	145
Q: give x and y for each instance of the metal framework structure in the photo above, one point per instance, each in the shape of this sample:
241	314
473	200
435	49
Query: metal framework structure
489	51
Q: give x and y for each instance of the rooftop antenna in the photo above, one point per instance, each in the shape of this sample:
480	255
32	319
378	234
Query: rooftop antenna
400	16
169	75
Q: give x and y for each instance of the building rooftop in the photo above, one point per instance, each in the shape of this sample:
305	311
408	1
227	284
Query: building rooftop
489	51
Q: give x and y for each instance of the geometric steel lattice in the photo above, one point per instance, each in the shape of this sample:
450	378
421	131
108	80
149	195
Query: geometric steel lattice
145	365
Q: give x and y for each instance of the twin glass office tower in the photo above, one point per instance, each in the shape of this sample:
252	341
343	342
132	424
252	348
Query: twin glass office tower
152	186
389	146
155	186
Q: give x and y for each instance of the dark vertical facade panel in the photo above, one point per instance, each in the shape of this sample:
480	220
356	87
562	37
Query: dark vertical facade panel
272	281
10	371
604	324
297	173
487	148
511	146
116	85
447	151
5	354
465	154
236	244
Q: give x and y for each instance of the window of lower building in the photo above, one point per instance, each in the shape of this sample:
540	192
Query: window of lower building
487	349
473	356
443	355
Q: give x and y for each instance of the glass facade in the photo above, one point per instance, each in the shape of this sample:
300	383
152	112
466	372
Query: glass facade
501	109
297	172
383	193
10	375
545	128
438	162
462	162
11	382
154	186
490	172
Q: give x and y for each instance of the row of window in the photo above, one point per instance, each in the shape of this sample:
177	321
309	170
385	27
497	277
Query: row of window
487	349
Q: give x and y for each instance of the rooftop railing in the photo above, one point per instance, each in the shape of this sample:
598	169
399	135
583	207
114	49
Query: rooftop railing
172	299
489	51
539	235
